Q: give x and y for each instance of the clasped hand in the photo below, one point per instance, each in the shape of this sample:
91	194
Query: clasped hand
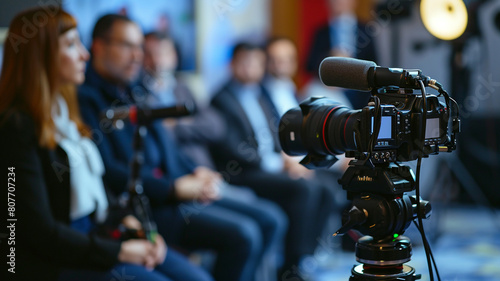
203	185
142	251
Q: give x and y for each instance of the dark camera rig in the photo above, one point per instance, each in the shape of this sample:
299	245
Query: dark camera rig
397	125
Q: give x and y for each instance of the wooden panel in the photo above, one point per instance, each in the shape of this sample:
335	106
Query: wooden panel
285	18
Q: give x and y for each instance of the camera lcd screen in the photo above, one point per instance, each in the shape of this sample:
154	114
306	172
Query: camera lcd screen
432	128
385	128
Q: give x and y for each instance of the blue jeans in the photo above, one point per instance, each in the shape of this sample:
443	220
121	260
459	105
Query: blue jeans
175	268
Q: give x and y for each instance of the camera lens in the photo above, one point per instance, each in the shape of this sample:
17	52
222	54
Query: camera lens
320	126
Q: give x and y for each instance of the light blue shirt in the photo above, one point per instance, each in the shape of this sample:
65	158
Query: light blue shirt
248	97
282	92
161	90
343	32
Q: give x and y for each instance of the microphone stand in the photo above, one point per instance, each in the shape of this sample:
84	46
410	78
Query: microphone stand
137	200
135	197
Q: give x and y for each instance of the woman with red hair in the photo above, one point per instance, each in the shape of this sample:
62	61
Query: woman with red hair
54	170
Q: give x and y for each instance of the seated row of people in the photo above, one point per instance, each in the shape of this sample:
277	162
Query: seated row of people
238	133
240	233
70	167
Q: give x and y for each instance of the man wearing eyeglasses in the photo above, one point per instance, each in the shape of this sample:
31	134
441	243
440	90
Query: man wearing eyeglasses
122	49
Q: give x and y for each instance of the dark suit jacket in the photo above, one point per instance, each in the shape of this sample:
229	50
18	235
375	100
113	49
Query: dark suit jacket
240	146
203	127
44	241
194	133
163	163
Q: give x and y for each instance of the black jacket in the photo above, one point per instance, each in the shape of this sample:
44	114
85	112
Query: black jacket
44	241
163	162
239	148
194	133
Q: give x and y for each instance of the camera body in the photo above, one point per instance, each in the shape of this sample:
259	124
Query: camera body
399	135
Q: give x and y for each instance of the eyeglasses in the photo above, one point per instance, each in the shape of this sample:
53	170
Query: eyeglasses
124	44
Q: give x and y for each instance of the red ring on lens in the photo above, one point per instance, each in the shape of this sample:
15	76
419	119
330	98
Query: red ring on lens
324	125
345	125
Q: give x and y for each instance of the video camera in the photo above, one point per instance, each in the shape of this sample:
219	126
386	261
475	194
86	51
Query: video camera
320	127
397	125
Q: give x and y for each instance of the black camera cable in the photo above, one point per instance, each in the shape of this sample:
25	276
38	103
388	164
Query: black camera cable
420	226
452	105
377	120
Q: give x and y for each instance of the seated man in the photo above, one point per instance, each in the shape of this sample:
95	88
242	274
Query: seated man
168	177
196	132
251	144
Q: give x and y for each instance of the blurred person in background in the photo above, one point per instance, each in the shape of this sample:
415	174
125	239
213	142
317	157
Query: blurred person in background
56	169
196	132
342	36
183	195
282	64
251	144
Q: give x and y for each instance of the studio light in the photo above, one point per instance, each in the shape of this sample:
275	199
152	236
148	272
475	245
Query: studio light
445	19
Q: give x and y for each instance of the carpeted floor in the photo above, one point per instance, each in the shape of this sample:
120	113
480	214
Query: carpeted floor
465	242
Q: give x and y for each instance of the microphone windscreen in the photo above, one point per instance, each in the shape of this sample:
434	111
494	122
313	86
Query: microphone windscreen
346	73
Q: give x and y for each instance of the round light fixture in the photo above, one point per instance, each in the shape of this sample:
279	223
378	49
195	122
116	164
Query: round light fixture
445	19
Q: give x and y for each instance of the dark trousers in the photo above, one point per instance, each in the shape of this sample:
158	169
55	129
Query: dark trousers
175	268
240	233
307	204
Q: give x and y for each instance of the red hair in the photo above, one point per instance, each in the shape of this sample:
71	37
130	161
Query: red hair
29	80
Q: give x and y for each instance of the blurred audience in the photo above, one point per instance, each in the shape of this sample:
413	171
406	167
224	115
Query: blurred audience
61	201
342	36
251	147
185	198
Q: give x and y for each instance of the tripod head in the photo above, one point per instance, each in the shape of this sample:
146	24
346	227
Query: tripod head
380	207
